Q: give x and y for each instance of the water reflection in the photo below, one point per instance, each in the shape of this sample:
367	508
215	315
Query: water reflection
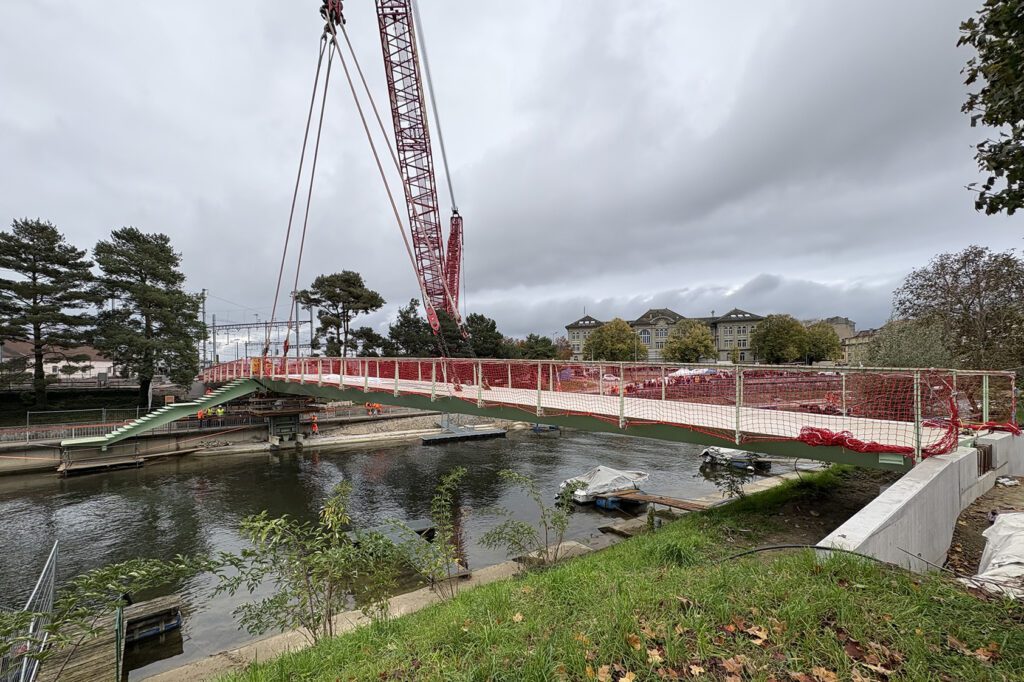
194	505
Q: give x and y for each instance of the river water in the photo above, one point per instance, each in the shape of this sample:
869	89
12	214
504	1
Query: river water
194	505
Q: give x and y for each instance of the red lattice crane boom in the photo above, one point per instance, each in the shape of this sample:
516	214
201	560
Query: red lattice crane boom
437	269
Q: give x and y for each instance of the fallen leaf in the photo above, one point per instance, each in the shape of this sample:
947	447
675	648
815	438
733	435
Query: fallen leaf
800	677
754	611
628	677
527	589
733	665
696	670
590	672
635	641
730	628
778	626
733	678
824	674
858	676
582	638
604	673
654	656
518	618
758	634
679	629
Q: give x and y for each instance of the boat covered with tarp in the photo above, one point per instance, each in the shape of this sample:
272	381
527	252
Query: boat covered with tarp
737	459
602	480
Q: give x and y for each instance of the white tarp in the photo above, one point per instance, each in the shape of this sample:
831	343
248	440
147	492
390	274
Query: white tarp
1002	563
690	372
602	479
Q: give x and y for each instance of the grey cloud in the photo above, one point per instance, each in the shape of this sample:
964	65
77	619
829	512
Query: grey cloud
777	156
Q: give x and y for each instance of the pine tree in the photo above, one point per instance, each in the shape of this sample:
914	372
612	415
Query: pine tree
155	325
340	298
45	302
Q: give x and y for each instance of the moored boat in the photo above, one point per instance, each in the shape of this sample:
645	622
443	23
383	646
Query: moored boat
603	480
737	459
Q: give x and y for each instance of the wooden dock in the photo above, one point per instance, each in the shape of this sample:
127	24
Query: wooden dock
640	496
97	657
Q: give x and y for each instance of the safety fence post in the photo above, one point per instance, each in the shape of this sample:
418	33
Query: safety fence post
984	399
396	378
663	383
843	398
622	396
739	402
551	377
364	369
433	380
319	372
540	374
917	417
509	365
479	384
419	371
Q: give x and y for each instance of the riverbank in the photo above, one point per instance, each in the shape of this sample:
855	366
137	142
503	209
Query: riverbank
792	507
676	604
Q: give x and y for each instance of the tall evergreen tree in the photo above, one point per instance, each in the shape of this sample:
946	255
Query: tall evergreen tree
155	325
339	298
45	303
410	335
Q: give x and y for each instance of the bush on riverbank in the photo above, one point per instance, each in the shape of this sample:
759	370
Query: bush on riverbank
659	607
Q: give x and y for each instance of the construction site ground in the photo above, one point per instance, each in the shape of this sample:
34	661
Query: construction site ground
968	542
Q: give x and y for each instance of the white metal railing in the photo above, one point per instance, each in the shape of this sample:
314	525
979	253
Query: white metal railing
897	410
20	659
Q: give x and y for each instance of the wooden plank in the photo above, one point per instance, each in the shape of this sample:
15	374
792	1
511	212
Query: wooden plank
639	496
96	657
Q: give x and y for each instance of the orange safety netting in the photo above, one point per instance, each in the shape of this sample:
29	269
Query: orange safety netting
907	412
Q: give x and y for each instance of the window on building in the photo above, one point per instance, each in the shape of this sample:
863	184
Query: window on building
659	345
727	343
576	347
742	329
741	343
743	356
661	333
727	331
645	336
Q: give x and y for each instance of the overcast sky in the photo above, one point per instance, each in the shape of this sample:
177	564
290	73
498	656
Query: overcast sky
777	156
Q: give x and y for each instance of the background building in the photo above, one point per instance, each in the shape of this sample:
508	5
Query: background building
732	332
855	348
578	332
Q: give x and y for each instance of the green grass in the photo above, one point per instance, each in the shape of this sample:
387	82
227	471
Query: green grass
663	596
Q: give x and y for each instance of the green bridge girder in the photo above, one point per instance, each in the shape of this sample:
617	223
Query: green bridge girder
667	432
167	414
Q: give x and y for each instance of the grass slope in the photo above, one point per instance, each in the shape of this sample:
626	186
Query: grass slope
659	607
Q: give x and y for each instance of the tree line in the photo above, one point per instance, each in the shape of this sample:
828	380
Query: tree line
127	301
340	298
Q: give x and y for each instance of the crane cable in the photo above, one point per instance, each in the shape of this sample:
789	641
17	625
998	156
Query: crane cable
380	167
295	193
418	22
394	156
309	198
444	150
373	146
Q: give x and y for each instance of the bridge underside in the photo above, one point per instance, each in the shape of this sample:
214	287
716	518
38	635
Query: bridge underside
666	432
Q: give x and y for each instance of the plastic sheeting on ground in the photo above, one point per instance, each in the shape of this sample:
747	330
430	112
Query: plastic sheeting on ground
1001	570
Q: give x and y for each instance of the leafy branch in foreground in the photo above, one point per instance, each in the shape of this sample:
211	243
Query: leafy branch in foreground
520	538
314	569
441	560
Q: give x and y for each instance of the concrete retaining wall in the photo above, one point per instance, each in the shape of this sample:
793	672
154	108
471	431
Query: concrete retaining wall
911	523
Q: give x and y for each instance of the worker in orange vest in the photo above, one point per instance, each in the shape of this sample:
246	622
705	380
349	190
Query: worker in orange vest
199	414
316	427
